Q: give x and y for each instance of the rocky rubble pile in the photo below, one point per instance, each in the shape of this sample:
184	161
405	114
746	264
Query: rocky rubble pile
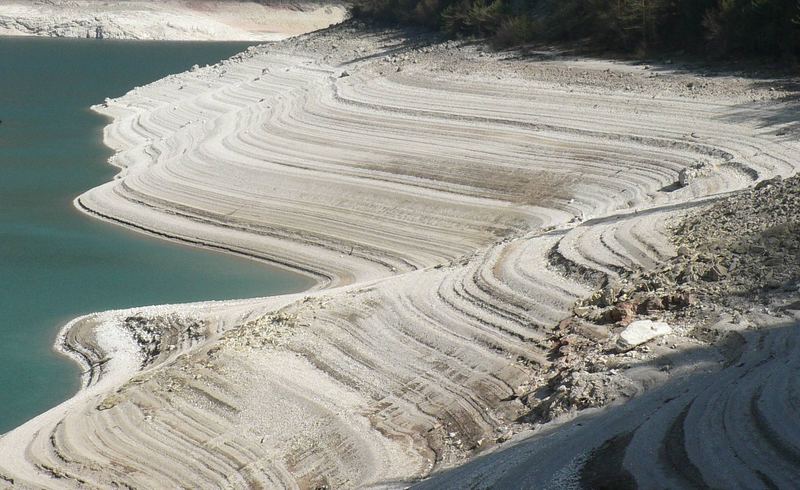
154	335
741	251
746	247
736	255
268	331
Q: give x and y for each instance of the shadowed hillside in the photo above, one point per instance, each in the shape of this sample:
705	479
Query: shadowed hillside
716	28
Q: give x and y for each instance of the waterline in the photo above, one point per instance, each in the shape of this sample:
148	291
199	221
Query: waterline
55	262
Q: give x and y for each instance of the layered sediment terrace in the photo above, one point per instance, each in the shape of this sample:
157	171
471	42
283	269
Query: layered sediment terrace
453	204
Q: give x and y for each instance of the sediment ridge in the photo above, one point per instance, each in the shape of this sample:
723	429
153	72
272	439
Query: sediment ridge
455	205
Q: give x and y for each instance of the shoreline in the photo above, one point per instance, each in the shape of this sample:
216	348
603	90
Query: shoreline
320	281
82	265
430	354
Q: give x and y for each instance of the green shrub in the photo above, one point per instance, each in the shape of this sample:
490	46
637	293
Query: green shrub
517	30
717	27
481	17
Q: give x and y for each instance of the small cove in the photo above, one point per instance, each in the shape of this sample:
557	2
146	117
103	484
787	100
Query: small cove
55	262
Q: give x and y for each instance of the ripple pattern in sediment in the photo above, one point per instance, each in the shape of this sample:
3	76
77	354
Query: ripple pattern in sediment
711	428
453	222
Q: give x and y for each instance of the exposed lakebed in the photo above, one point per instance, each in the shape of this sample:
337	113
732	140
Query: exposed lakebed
56	263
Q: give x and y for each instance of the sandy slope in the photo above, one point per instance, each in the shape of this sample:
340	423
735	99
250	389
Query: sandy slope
205	20
453	204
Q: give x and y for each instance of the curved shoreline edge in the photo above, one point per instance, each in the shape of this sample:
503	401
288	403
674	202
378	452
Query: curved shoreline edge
459	204
320	280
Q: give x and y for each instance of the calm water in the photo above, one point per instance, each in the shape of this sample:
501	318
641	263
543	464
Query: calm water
56	263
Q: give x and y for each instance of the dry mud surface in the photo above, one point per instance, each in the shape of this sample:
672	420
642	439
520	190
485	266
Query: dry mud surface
476	221
204	20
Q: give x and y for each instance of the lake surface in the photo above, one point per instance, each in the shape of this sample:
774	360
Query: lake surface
56	263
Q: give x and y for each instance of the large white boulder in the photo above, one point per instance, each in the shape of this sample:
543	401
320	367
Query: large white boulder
641	331
696	171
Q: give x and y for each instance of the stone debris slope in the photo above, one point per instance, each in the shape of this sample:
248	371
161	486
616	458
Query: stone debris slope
723	416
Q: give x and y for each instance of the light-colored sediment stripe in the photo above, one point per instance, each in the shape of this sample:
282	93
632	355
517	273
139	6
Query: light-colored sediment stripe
169	20
452	223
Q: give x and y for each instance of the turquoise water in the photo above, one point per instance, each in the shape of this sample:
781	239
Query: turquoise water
56	263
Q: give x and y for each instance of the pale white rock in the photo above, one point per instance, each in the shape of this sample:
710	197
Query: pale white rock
698	170
641	331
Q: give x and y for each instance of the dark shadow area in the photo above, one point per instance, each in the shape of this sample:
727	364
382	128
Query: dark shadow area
723	420
394	38
673	61
671	187
782	115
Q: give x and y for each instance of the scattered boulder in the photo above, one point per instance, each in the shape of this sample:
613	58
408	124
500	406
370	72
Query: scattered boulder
641	331
623	314
715	273
651	304
679	299
577	390
768	182
698	170
591	331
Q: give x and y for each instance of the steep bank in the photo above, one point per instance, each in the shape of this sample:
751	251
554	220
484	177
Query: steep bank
174	20
462	200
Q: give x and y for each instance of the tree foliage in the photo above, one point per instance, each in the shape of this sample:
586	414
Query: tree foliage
715	27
